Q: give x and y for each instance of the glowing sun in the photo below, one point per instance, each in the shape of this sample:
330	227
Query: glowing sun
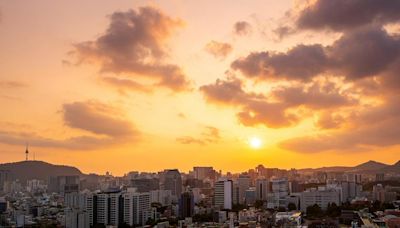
255	142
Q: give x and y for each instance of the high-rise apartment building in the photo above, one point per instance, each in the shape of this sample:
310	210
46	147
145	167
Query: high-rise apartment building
223	194
261	189
279	192
186	204
137	208
243	184
173	182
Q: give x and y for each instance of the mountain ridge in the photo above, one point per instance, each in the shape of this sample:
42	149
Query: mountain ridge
26	170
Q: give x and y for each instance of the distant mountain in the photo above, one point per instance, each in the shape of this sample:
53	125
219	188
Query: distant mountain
327	169
395	168
26	170
369	166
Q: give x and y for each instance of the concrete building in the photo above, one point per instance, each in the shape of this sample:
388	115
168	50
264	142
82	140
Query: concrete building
173	182
380	177
104	208
261	189
279	192
63	184
243	184
202	173
76	219
321	196
250	196
5	176
164	197
186	205
145	184
137	208
223	194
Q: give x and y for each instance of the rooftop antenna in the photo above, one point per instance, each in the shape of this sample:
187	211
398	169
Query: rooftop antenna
26	152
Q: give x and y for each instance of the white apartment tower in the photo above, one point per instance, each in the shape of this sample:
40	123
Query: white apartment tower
223	194
137	208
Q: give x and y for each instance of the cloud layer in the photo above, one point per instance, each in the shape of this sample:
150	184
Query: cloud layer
103	124
135	44
351	87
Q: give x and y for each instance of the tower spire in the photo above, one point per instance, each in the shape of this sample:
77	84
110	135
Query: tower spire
26	152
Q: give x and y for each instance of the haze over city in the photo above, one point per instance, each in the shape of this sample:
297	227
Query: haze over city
200	113
146	85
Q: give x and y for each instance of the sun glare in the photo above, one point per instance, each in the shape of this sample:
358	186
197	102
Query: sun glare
255	142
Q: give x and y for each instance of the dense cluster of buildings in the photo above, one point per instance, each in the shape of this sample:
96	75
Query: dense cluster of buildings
260	197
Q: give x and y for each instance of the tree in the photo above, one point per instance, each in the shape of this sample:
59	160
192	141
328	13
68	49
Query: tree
281	209
333	210
314	211
258	204
292	207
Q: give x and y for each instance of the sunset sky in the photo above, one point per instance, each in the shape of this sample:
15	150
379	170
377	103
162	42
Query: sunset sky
148	85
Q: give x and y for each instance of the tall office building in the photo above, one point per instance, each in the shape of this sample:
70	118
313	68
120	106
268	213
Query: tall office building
173	182
145	184
137	208
278	194
235	193
243	184
186	204
353	177
250	196
76	219
202	173
5	176
164	197
63	184
261	189
105	208
223	194
380	177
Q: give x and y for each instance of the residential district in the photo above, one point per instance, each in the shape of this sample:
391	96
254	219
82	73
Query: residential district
204	197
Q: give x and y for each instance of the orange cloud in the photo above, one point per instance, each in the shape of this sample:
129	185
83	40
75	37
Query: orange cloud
102	121
219	49
275	109
242	28
123	84
135	44
209	135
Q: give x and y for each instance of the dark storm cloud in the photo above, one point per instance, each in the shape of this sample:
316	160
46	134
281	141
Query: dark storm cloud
342	15
134	43
242	28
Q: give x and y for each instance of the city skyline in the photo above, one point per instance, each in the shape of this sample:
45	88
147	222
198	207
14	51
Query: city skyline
138	85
